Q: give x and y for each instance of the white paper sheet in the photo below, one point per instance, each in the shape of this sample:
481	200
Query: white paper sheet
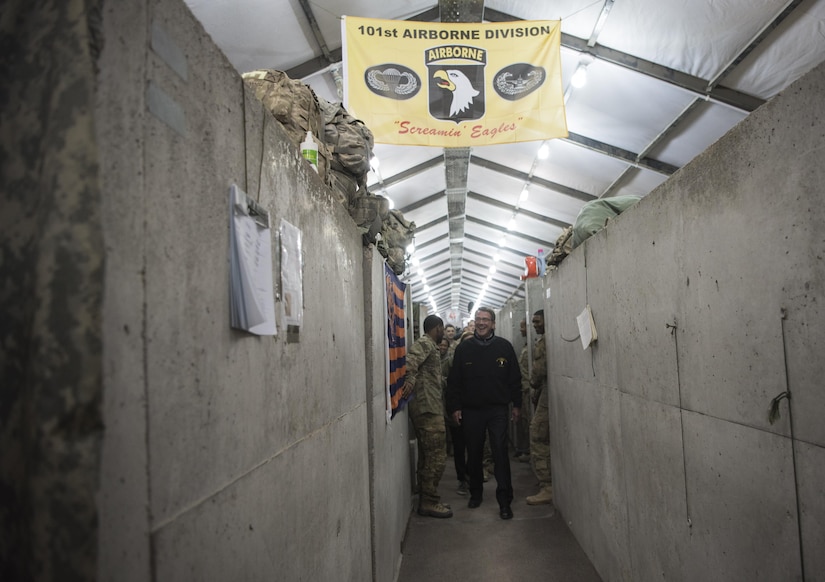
251	292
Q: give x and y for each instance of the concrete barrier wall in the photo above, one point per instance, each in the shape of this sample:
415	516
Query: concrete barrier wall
707	299
229	456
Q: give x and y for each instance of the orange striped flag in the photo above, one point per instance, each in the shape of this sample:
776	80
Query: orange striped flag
396	340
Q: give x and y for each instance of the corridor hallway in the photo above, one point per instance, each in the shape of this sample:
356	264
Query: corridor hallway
476	545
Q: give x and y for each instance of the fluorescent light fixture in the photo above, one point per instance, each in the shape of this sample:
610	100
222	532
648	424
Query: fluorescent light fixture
579	78
544	150
525	193
411	248
512	224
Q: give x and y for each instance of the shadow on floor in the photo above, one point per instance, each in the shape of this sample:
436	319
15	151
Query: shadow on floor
476	545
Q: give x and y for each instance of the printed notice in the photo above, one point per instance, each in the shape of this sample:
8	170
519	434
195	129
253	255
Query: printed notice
251	294
587	327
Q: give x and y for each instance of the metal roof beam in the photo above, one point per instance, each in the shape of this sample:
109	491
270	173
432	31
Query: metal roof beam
492	244
522	211
522	236
688	82
423	202
523	177
411	172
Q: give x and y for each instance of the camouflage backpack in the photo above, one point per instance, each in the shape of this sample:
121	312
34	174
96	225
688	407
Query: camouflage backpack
562	248
396	235
369	213
295	105
350	143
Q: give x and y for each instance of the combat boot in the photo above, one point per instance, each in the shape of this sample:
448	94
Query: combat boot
543	497
434	509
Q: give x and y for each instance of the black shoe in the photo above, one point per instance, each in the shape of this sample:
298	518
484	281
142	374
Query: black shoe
505	512
473	503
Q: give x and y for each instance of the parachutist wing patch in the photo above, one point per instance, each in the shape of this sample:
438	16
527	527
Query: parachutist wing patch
392	81
517	81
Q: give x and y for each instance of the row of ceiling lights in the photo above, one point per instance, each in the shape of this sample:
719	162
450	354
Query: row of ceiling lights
578	80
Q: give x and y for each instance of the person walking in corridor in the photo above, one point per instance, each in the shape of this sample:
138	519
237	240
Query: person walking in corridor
540	425
484	379
424	382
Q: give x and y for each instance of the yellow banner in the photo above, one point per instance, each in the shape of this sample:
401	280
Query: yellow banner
454	84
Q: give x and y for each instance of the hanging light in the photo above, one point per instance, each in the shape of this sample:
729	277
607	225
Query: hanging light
544	150
525	192
579	78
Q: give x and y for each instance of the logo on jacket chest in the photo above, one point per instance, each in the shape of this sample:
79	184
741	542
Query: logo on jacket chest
501	362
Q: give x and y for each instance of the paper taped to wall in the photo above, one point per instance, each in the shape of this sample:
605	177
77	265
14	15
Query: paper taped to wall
587	327
251	294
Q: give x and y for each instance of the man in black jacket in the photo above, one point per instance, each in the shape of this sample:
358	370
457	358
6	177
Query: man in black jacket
484	380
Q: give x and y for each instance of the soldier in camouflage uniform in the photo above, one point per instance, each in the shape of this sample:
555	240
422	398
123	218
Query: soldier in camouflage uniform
540	426
424	380
523	425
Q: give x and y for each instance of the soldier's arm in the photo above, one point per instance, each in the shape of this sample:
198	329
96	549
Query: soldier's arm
415	357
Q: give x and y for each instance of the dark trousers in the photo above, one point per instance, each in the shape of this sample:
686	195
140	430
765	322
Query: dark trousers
491	422
459	452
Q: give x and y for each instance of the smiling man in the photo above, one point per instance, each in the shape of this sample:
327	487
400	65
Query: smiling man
483	381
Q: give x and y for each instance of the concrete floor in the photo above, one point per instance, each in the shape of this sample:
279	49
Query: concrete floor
477	545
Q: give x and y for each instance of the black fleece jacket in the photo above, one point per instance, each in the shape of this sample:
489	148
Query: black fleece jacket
485	372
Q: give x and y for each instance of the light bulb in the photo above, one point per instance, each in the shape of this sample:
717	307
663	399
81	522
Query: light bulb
579	78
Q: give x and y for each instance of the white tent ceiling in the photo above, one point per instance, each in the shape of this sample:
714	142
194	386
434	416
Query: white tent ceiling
667	78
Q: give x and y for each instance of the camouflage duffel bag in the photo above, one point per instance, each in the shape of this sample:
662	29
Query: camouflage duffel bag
350	143
369	213
396	235
295	105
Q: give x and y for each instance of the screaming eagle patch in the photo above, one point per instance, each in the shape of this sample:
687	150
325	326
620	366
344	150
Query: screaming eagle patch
456	87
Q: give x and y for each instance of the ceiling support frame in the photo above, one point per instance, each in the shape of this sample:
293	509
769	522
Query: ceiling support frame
457	160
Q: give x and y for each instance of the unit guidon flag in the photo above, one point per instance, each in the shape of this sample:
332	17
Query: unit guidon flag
454	84
395	291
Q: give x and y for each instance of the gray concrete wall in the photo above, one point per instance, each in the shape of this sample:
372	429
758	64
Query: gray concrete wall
707	298
389	441
254	458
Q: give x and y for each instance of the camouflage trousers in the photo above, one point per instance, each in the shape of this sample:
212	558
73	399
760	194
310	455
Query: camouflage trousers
523	424
432	453
540	440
